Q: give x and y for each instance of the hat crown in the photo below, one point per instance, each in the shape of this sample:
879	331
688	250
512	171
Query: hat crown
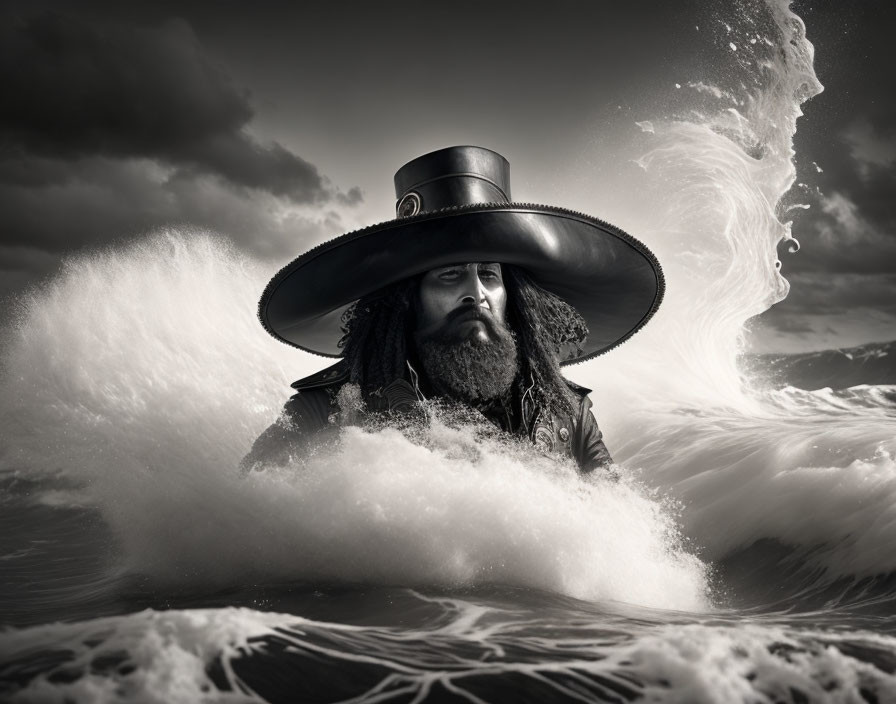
451	177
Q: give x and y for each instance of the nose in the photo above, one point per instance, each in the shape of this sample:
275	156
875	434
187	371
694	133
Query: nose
473	290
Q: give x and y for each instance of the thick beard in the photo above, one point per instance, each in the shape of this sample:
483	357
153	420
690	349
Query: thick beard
471	370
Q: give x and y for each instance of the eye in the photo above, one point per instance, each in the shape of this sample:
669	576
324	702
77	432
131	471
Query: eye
449	275
489	274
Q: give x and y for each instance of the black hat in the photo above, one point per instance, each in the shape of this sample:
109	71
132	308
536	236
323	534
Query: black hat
453	206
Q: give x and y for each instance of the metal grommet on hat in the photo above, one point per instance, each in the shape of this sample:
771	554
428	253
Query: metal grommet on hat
409	205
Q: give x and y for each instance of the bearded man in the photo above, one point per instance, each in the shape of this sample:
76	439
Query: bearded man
465	296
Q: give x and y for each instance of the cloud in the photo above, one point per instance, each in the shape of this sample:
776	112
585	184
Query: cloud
771	331
111	130
852	228
824	293
103	200
353	197
259	223
843	233
851	240
789	325
825	310
84	202
21	266
74	89
870	149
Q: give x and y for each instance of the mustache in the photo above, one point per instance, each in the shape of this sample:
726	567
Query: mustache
446	332
471	312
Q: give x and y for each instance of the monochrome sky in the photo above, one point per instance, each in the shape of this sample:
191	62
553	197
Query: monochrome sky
281	126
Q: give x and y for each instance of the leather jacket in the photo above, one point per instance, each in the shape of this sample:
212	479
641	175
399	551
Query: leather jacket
314	410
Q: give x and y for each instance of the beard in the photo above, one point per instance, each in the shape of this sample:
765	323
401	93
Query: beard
470	369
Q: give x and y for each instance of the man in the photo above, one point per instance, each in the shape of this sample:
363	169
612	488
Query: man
465	296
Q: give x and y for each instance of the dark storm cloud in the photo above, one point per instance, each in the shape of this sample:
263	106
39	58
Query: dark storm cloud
840	293
74	89
88	201
873	150
257	223
841	235
103	200
826	310
789	325
353	197
110	129
851	225
849	133
20	266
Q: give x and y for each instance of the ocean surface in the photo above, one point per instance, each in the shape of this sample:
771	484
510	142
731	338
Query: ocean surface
745	553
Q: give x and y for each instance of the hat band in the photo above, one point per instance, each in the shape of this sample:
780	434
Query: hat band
466	174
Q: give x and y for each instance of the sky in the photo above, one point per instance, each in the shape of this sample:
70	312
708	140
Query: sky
280	127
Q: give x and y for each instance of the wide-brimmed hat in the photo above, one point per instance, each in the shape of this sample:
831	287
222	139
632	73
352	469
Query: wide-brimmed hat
453	206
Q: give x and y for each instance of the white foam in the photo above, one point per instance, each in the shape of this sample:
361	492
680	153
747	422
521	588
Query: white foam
165	655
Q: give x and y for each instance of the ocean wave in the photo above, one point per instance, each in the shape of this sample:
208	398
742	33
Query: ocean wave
468	648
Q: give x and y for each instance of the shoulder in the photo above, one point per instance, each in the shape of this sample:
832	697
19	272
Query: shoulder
315	396
332	376
582	405
305	415
580	392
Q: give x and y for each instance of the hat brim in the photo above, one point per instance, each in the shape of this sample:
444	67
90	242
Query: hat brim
612	280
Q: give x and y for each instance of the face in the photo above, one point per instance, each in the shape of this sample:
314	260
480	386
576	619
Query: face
462	301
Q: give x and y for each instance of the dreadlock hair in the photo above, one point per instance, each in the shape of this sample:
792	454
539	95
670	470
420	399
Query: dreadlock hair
546	327
376	333
378	329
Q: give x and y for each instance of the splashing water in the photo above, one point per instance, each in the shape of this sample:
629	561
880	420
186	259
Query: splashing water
714	177
151	409
747	464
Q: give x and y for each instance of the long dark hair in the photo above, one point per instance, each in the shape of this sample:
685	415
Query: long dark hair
376	335
546	326
377	330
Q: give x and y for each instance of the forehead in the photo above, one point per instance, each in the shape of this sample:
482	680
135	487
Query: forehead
464	265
